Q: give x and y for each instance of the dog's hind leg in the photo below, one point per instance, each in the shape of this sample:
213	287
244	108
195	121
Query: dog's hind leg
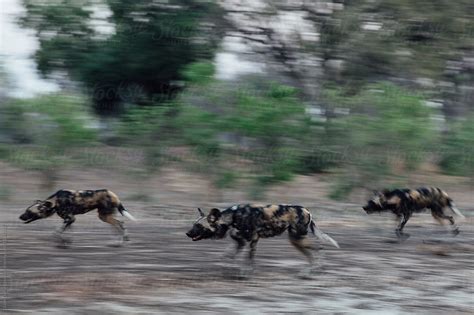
301	243
253	249
109	218
438	214
251	256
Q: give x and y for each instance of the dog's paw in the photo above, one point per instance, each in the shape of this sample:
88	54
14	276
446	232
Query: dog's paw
246	272
402	237
64	243
61	241
306	274
456	232
232	272
118	243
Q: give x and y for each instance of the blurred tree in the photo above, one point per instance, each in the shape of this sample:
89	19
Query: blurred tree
139	60
427	44
284	36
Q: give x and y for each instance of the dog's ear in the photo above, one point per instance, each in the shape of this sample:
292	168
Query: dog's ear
48	204
200	212
214	215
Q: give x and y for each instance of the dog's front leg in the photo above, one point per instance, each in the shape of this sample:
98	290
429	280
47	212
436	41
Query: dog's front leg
240	244
248	267
252	250
403	218
68	221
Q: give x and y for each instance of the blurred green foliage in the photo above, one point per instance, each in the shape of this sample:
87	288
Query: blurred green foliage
388	128
55	120
43	130
268	126
222	123
152	71
385	129
457	157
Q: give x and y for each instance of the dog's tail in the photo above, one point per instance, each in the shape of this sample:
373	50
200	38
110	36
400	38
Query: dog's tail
453	208
321	235
125	213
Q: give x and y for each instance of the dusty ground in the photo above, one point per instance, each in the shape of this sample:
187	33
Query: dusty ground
162	271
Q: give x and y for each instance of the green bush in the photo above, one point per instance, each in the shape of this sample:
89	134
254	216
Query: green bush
199	72
272	120
51	126
457	155
387	124
14	124
55	120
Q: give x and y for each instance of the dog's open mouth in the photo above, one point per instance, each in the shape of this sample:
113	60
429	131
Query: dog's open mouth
197	238
30	220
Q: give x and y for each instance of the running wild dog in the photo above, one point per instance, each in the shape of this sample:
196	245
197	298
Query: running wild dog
248	223
404	202
68	203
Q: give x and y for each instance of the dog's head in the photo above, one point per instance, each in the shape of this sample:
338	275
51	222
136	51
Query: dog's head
39	210
377	202
208	226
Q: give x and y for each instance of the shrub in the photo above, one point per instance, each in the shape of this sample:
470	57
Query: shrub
387	125
457	155
51	125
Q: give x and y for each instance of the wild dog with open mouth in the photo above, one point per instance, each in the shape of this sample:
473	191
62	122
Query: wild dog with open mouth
68	203
404	202
249	223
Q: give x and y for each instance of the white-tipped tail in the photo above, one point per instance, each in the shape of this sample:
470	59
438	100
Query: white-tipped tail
323	236
456	211
126	214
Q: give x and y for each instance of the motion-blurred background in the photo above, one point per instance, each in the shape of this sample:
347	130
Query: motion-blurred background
175	104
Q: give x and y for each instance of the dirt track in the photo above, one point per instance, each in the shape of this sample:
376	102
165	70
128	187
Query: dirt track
161	271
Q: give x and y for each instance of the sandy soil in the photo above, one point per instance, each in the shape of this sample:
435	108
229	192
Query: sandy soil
160	271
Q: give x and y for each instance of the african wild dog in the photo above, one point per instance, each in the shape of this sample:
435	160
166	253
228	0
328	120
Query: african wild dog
404	202
68	203
249	223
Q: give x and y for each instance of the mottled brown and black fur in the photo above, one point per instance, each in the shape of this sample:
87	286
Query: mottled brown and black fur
248	223
69	203
404	202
